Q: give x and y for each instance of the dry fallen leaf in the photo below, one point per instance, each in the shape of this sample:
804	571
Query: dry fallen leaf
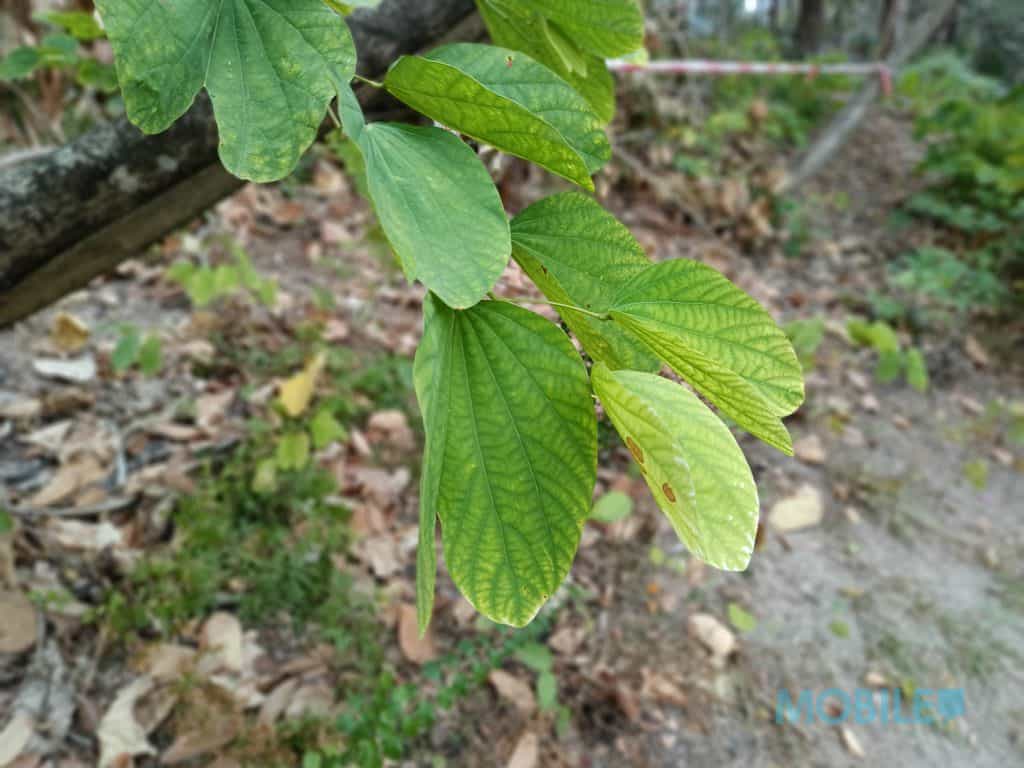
167	662
392	427
70	479
567	640
221	639
212	408
851	742
513	689
78	535
121	736
659	688
803	509
381	554
297	392
15	737
976	352
68	333
416	649
18	407
18	627
714	636
527	752
50	438
277	702
810	449
78	371
313	700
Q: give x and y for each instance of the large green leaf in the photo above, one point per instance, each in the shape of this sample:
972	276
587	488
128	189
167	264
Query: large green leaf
579	254
511	453
605	28
695	469
432	376
439	209
505	99
268	65
718	338
515	27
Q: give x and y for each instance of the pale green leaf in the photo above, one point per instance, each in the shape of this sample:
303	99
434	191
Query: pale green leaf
579	254
325	429
348	6
720	340
269	66
507	100
439	209
151	355
605	28
741	619
690	460
292	451
511	452
612	507
432	377
536	656
547	691
126	351
917	370
512	26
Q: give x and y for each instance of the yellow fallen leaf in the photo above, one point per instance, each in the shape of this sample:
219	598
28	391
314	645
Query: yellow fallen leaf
69	334
297	392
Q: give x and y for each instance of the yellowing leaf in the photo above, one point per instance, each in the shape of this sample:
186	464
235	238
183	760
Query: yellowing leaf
297	392
69	334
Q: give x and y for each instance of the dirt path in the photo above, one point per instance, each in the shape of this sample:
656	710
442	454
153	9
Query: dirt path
911	579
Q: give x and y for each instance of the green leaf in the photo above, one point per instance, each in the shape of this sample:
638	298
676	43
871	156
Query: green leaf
264	479
151	356
536	656
690	460
547	691
505	99
917	370
512	26
20	63
292	451
126	351
890	366
439	208
270	67
577	253
347	7
605	28
511	452
79	24
325	429
743	620
612	507
839	628
720	340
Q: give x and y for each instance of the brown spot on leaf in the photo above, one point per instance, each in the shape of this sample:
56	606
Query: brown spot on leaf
636	450
669	493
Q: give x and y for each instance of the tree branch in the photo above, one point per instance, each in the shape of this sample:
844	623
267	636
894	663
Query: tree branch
74	213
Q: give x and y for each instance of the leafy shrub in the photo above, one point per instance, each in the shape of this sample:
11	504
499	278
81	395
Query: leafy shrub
63	51
974	169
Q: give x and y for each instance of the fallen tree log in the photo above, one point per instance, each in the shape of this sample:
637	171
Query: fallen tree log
74	213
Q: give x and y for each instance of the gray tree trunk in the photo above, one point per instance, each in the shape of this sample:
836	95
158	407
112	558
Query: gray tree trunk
69	215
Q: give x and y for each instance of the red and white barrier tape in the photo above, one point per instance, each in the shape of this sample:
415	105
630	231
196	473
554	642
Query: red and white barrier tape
708	67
